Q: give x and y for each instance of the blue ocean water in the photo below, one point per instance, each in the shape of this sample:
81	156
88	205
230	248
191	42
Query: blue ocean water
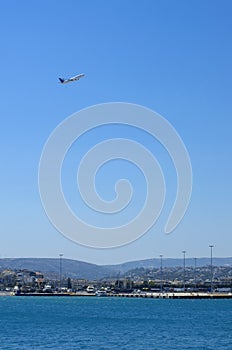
114	323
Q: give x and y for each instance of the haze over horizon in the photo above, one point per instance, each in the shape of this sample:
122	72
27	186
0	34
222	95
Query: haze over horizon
174	58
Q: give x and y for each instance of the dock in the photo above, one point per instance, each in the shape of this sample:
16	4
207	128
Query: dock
166	295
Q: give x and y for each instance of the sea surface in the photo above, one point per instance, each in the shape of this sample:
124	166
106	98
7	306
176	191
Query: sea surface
114	323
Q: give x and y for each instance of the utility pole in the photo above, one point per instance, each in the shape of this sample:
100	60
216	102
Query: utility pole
161	273
60	270
211	267
184	252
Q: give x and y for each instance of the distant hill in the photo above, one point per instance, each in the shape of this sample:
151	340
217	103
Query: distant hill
79	269
170	262
51	267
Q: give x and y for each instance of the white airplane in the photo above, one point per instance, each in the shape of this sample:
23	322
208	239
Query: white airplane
77	77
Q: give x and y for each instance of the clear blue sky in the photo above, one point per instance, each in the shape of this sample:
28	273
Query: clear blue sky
171	56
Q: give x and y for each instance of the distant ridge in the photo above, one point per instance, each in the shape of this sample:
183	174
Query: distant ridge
83	270
170	262
51	267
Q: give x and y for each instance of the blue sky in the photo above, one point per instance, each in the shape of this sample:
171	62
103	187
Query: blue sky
171	56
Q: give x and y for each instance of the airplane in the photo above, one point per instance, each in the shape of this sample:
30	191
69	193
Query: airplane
77	77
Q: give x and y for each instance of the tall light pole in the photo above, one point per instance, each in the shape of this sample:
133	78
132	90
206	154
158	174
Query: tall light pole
211	267
161	273
184	252
60	270
195	273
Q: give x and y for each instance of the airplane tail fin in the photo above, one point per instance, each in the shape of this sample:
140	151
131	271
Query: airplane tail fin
61	80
